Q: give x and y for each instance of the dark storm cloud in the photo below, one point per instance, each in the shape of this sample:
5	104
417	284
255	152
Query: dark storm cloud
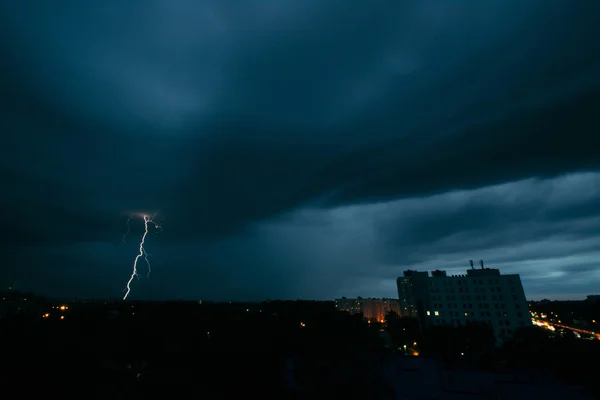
220	117
502	214
546	230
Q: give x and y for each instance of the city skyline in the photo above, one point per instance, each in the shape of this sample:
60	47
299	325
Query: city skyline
295	150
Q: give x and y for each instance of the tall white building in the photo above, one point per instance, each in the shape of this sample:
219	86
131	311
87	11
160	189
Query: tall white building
482	295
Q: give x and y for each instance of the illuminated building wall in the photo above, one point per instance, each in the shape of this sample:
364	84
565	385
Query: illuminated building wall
482	295
372	309
376	309
353	306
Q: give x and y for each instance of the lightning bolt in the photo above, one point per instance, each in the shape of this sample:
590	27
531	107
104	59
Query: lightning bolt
142	253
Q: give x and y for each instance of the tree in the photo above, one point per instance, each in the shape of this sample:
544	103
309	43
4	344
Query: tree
480	338
392	316
404	331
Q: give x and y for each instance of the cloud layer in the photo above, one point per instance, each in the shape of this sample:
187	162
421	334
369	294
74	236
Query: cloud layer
296	149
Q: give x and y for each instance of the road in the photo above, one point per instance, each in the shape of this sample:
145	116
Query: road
557	325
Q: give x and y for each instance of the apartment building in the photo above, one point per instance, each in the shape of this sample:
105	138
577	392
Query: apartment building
481	295
372	309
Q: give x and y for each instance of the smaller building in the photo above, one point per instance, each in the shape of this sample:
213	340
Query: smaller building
353	306
372	309
413	293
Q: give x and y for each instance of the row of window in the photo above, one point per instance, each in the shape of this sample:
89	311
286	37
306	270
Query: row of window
478	297
472	313
493	289
470	305
457	322
463	282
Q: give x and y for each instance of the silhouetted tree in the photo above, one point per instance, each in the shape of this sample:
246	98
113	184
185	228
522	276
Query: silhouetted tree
479	337
392	316
404	330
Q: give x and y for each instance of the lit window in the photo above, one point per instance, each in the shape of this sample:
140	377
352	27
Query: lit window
428	312
436	312
466	314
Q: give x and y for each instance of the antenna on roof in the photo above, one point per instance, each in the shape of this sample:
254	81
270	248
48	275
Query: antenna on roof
481	263
471	263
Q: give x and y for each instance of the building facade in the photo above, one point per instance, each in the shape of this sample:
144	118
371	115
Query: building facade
413	294
353	306
481	295
372	309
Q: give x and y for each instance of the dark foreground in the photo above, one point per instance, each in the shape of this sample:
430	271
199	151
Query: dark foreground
279	350
274	350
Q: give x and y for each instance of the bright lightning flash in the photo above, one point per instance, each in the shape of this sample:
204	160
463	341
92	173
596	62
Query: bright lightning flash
142	253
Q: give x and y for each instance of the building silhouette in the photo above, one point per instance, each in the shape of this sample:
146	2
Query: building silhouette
481	295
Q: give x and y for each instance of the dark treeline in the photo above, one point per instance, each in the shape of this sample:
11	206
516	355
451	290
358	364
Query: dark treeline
167	350
164	350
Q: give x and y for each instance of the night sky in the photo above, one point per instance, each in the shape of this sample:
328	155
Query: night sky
298	149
